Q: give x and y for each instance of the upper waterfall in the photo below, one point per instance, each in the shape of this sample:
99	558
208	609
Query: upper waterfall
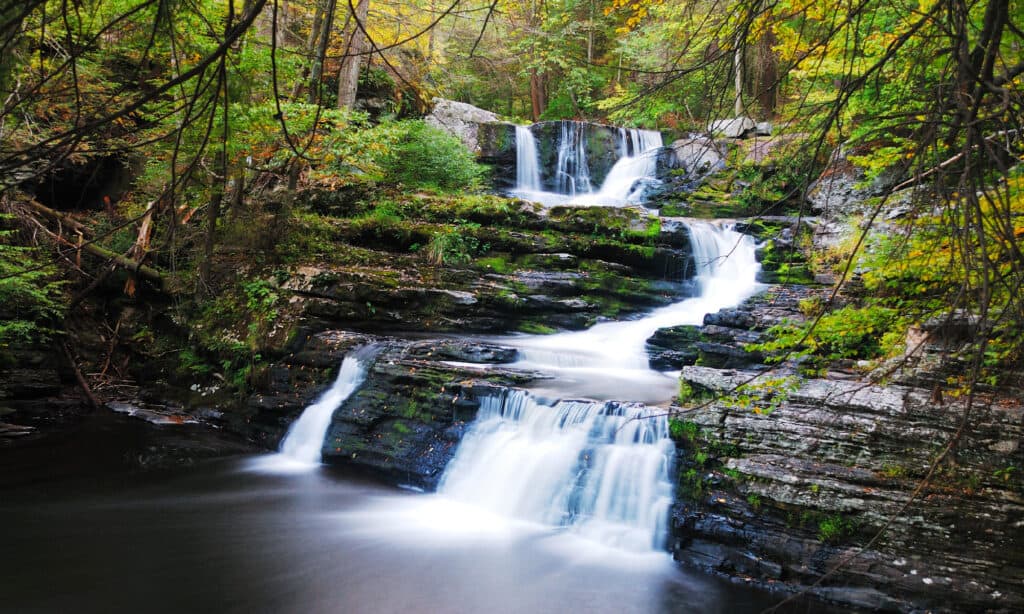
624	159
633	172
527	161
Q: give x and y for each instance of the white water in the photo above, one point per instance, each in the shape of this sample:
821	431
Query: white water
625	183
527	161
572	171
600	469
305	437
609	361
632	173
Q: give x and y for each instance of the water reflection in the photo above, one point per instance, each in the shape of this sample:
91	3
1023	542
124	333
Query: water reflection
224	538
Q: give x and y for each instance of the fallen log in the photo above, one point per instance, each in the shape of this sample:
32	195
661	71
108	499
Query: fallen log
60	217
134	266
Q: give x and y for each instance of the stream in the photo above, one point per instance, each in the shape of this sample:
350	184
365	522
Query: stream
556	501
83	532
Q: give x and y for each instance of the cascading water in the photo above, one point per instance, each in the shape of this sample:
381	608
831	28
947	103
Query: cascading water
527	161
572	171
609	361
626	182
599	468
305	437
633	172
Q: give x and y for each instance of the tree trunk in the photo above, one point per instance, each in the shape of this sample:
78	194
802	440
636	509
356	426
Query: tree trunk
213	214
767	78
321	52
348	76
536	94
311	45
737	67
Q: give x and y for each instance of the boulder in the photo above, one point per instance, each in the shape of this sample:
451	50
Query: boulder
672	348
698	155
460	119
496	146
842	189
838	189
734	128
767	150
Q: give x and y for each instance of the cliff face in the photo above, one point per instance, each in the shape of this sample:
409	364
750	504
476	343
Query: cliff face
790	481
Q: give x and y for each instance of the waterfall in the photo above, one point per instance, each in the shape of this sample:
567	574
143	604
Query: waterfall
305	437
527	161
572	172
634	171
609	360
635	168
601	469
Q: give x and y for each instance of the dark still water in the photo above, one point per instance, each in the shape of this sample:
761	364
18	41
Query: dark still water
83	531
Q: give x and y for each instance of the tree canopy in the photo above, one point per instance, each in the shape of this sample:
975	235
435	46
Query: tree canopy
208	100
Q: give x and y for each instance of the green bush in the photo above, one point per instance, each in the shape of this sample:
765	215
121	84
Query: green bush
849	333
30	295
835	529
425	156
454	245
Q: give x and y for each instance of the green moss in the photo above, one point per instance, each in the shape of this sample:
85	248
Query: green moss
754	501
836	528
498	264
536	328
682	430
674	210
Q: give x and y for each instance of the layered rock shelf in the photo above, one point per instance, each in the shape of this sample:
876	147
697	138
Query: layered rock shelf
828	484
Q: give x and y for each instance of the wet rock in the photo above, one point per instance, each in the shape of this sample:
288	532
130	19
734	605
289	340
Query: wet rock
462	351
833	461
800	470
497	148
669	349
403	424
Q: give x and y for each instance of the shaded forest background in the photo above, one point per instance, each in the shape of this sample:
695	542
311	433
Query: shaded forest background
141	140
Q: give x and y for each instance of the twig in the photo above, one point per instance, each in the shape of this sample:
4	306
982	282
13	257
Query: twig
91	399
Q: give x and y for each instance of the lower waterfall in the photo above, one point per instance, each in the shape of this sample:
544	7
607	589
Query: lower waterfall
598	468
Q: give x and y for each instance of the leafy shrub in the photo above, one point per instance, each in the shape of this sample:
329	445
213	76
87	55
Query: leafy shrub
847	333
834	529
453	245
681	430
420	155
30	295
